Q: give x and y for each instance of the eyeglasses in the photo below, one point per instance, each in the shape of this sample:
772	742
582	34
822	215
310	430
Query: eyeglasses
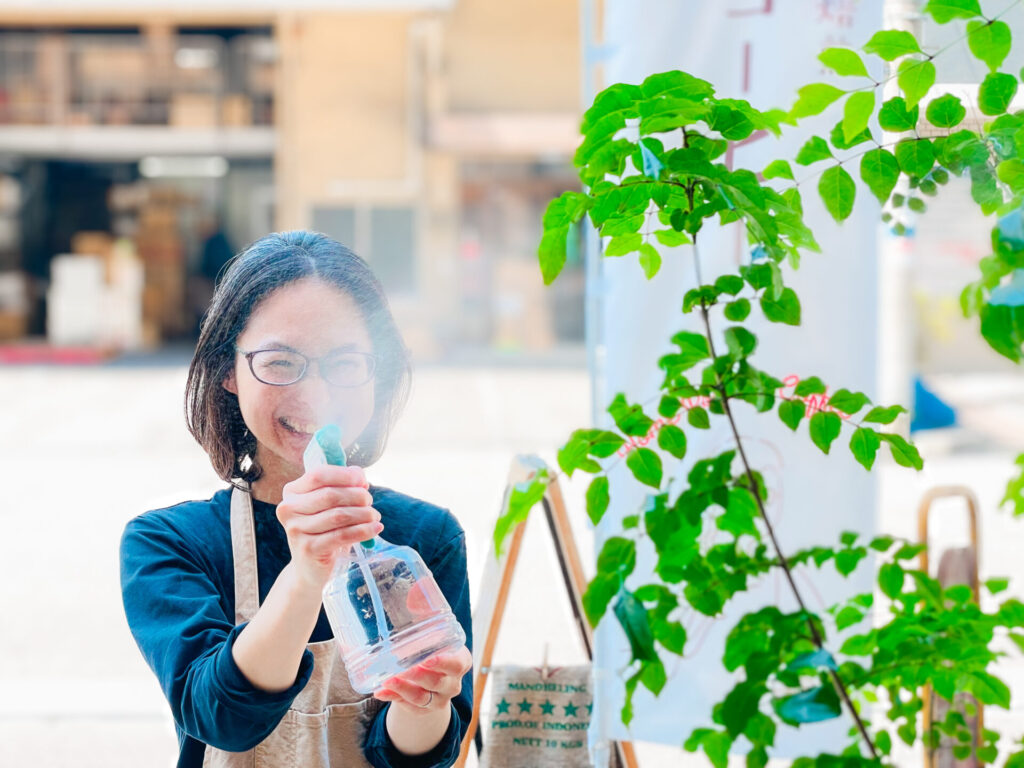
281	367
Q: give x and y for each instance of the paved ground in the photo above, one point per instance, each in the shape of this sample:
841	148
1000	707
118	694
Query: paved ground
85	449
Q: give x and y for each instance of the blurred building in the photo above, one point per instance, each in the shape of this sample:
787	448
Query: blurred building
429	136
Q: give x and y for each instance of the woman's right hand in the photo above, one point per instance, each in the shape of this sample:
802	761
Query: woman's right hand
323	511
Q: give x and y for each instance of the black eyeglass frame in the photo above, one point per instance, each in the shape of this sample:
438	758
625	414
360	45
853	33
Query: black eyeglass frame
371	366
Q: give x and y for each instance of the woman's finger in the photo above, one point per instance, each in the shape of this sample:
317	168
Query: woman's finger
327	475
317	500
413	694
331	520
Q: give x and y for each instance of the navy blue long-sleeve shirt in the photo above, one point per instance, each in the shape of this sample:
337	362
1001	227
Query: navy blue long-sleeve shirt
177	582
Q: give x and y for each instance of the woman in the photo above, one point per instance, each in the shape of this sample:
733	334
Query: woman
223	596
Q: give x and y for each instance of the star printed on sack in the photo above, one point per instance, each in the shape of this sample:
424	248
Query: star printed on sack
525	706
503	706
547	707
570	709
590	708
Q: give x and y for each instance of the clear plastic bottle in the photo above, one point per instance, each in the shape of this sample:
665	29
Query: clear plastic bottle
385	609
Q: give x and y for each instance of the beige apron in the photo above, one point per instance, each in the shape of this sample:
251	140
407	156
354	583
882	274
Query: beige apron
326	723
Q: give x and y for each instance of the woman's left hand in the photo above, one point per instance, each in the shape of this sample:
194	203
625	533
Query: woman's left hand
429	686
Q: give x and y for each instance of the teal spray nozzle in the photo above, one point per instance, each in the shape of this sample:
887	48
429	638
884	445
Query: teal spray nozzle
326	448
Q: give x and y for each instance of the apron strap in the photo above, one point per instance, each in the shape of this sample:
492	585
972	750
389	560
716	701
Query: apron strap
243	553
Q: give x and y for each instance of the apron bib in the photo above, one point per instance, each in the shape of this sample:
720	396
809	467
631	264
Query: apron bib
327	721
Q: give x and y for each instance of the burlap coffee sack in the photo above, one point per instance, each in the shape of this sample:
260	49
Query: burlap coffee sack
538	720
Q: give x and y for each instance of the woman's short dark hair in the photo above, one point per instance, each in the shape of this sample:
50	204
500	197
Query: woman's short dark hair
273	261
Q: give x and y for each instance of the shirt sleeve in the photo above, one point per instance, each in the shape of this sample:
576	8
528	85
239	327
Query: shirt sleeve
449	569
177	616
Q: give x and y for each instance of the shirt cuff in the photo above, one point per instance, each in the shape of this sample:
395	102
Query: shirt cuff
235	687
382	753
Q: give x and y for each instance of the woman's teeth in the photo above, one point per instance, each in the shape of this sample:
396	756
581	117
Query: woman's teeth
301	427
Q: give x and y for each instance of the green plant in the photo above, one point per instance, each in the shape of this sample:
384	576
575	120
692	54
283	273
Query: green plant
664	186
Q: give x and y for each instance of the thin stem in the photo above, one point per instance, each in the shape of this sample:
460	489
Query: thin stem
783	562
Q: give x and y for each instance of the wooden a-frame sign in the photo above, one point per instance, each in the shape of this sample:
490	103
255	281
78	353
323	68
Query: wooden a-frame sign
493	597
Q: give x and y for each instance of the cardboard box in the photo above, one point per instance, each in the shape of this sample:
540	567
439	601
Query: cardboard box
13	325
92	244
193	110
236	111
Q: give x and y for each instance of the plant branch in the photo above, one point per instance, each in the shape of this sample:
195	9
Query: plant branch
783	562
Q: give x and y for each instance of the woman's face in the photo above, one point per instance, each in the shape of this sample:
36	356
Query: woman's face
316	319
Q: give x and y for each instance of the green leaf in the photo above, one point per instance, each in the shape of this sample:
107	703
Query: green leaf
996	92
989	41
864	446
880	171
597	498
995	586
698	417
601	443
652	675
812	385
882	415
839	141
944	11
856	113
692	346
561	213
737	310
672	239
915	156
740	705
522	498
740	513
1011	173
618	555
890	44
791	411
777	169
825	428
837	191
916	76
813	99
843	62
672	635
989	689
896	116
620	245
598	594
650	260
731	284
848	402
740	341
813	150
904	453
633	618
672	439
945	111
890	580
630	419
847	617
645	465
784	310
669	406
809	706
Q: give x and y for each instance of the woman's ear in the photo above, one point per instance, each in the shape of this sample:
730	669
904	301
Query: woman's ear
230	384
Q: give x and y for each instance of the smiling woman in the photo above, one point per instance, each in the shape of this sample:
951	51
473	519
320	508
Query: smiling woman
223	596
